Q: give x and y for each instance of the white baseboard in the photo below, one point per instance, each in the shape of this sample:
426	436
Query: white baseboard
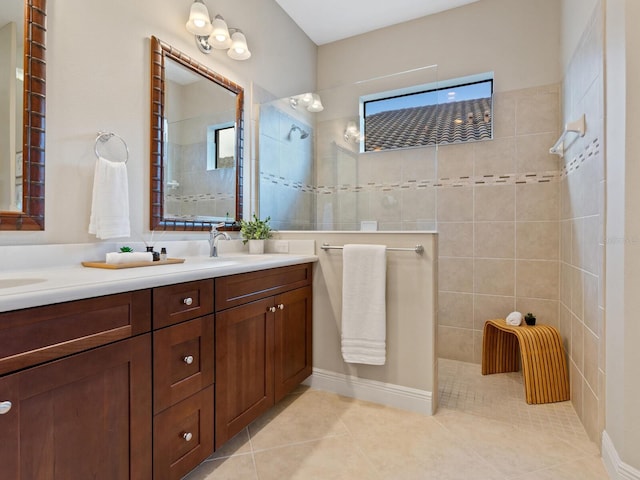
616	468
396	396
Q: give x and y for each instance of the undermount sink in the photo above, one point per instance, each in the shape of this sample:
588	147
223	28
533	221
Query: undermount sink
19	282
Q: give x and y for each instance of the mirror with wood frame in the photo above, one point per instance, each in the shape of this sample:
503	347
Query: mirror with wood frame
196	143
22	96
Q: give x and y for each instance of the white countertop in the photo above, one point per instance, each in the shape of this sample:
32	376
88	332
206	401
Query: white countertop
31	287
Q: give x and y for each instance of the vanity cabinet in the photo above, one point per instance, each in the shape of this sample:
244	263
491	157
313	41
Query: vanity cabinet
183	368
263	343
143	384
76	394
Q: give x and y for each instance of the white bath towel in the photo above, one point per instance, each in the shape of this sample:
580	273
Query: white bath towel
110	202
364	304
514	318
117	258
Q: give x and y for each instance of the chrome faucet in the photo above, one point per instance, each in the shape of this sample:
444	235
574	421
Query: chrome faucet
213	238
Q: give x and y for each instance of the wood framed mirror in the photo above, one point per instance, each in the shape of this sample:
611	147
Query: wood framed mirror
25	211
196	115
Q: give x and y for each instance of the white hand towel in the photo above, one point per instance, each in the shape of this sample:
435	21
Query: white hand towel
116	258
364	304
110	202
514	318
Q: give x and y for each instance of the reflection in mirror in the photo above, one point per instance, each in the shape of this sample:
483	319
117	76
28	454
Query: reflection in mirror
11	88
22	110
196	143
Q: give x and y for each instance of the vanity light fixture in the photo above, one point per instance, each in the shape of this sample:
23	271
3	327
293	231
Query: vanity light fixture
311	101
316	104
239	49
351	133
210	34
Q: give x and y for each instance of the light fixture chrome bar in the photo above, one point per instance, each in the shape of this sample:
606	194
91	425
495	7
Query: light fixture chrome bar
419	249
203	43
215	34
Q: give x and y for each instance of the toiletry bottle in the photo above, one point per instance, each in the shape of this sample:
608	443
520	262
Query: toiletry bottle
156	255
163	253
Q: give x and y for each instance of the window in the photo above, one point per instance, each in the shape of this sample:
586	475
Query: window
221	146
454	111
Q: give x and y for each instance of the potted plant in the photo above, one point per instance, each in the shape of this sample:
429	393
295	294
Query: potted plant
255	232
530	319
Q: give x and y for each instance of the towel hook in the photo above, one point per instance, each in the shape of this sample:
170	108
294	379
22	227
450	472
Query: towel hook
104	137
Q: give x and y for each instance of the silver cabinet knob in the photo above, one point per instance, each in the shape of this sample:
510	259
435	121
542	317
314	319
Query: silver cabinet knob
187	436
281	306
271	309
187	301
5	407
188	359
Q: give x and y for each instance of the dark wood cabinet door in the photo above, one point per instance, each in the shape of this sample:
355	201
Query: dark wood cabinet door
293	340
84	416
244	366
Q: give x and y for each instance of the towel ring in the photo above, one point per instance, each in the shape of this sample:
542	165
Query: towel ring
104	137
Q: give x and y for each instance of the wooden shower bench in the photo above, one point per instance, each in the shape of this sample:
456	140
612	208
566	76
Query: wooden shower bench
544	365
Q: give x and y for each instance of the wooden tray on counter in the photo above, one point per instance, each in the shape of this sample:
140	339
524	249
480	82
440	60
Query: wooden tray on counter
117	266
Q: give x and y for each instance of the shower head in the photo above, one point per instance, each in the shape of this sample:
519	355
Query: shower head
303	133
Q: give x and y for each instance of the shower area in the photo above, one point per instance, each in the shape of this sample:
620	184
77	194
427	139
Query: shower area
494	203
518	229
315	175
493	197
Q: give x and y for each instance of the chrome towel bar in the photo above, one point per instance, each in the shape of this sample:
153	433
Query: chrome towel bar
419	249
577	126
104	137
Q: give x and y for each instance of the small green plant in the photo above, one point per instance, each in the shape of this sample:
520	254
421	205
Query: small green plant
126	249
530	319
255	229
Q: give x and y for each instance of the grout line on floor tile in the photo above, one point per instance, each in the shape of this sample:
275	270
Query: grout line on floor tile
359	448
291	444
224	457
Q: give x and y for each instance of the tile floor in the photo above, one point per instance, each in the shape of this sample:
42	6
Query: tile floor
483	430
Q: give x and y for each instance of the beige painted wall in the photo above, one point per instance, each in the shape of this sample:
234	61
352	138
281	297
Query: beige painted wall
98	79
623	231
411	308
517	39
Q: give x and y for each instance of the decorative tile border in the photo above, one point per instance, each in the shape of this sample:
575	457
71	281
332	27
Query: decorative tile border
508	179
591	150
200	197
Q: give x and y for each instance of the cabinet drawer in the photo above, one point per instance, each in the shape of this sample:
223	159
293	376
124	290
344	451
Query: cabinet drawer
183	436
235	290
40	334
176	303
183	361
